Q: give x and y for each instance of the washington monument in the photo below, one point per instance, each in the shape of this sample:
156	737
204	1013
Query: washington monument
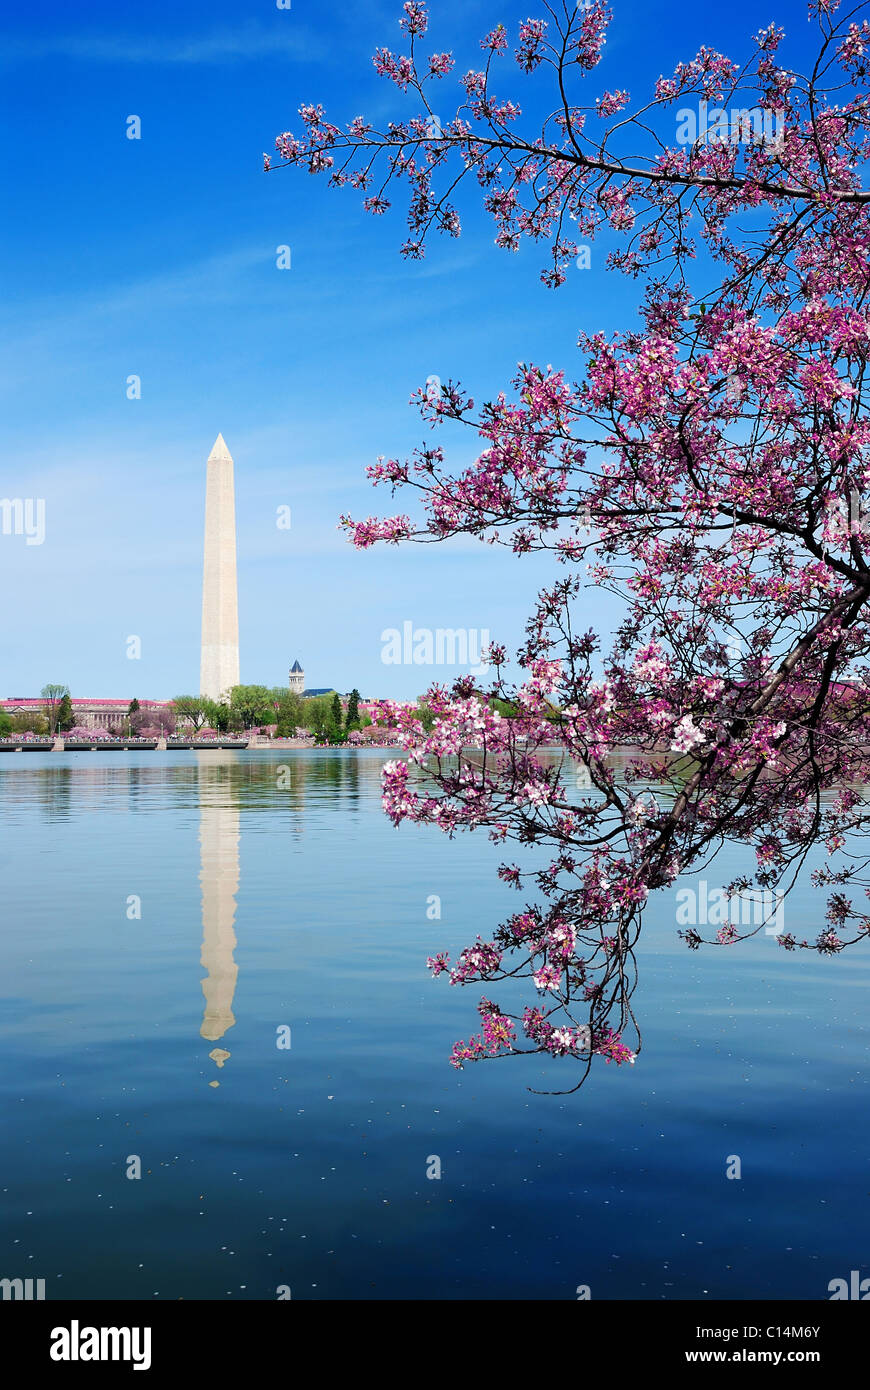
219	663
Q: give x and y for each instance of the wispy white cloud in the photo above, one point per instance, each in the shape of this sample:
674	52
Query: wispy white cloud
253	41
51	324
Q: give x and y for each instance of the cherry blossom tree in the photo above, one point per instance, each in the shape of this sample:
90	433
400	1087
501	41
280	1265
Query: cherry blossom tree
710	468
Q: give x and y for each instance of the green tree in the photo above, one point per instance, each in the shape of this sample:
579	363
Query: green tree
336	720
425	715
53	695
352	717
65	716
316	715
130	722
290	713
252	704
5	723
29	724
191	707
217	715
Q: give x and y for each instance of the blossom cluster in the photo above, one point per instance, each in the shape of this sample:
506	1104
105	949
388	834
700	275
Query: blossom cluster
709	470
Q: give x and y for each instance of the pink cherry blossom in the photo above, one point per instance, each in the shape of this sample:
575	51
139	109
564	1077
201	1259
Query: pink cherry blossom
709	467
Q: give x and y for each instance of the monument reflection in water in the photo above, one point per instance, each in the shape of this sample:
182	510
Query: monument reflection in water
219	834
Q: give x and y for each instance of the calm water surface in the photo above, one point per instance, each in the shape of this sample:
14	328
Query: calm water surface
272	893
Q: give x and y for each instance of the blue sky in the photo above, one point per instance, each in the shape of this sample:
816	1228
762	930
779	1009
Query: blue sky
157	257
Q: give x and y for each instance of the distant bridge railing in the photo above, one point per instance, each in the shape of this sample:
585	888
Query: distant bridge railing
21	744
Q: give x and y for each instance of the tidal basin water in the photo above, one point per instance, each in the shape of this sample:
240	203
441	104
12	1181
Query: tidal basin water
273	894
